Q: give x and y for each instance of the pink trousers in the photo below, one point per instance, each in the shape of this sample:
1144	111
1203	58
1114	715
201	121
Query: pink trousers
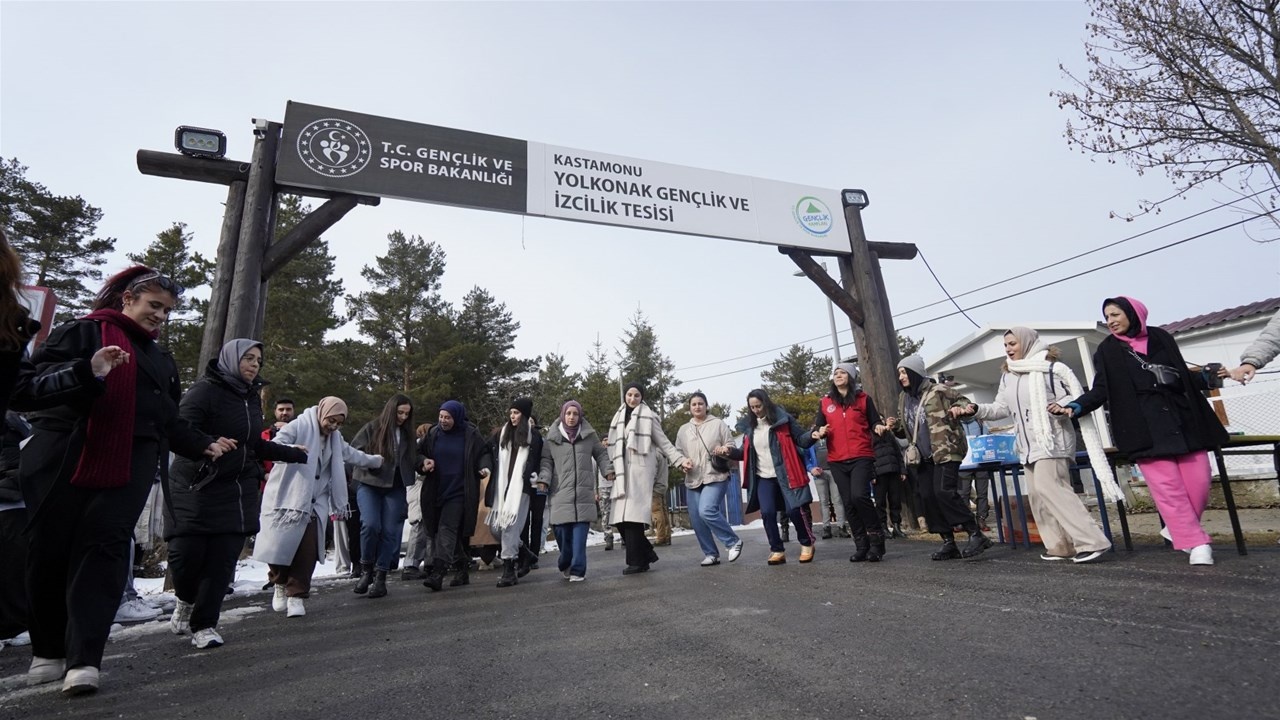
1180	487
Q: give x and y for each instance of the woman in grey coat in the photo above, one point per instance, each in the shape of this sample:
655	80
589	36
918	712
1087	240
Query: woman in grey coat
570	455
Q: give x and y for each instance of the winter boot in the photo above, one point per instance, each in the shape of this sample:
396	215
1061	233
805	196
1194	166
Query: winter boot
977	544
897	531
462	577
843	531
608	541
366	577
948	551
509	577
877	547
379	587
826	532
528	561
785	530
862	546
435	577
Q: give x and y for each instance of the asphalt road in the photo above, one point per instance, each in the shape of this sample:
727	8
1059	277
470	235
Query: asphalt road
1141	635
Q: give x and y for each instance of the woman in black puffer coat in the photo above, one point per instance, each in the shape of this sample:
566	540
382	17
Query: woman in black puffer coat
211	507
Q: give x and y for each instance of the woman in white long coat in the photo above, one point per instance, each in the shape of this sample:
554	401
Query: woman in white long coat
636	441
300	498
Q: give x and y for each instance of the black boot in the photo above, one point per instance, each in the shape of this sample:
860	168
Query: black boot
366	577
862	546
462	577
608	541
948	551
435	577
509	576
897	531
977	544
785	531
528	561
826	532
379	587
877	547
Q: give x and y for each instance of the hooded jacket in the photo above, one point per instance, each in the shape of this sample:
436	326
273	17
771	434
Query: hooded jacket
947	442
792	497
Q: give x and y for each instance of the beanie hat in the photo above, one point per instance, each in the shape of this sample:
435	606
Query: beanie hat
851	369
914	363
524	405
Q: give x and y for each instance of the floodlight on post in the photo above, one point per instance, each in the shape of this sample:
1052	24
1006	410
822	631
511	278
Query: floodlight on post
200	142
855	198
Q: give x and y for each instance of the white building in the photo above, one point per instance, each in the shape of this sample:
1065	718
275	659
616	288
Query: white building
974	363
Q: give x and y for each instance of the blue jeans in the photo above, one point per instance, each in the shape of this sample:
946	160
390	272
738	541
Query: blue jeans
572	539
382	515
709	523
769	495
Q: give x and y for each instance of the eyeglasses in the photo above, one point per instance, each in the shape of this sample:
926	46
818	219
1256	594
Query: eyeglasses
163	282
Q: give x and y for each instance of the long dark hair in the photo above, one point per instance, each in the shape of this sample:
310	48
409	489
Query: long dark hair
770	410
845	400
137	279
516	436
14	322
385	425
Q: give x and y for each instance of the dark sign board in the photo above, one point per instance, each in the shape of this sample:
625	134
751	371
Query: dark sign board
350	152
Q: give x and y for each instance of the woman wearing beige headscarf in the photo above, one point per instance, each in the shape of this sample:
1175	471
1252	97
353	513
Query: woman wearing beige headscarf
1046	445
300	498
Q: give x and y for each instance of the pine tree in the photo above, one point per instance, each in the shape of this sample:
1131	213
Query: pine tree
300	310
798	371
555	385
171	254
644	363
599	393
54	236
485	332
404	315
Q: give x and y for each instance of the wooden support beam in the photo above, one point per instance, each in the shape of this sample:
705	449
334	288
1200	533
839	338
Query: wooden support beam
829	287
215	321
876	349
173	165
305	232
255	231
894	250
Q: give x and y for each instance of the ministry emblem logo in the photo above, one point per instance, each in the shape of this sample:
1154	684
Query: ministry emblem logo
333	147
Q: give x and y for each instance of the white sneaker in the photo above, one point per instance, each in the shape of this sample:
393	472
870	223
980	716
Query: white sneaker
709	560
22	639
735	551
1088	556
1164	533
296	607
45	670
80	681
577	578
1202	555
207	638
136	611
180	620
278	599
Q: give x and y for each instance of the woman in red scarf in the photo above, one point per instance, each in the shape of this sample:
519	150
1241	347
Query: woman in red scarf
103	401
774	475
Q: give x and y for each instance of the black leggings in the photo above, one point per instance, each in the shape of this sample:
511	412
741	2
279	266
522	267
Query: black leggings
853	480
202	567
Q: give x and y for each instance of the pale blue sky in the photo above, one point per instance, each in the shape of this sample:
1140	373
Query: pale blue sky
941	111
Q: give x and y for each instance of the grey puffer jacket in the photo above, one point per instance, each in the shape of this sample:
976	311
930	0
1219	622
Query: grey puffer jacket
569	470
1266	347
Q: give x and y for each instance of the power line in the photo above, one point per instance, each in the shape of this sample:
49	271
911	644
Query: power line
993	284
1090	271
1012	295
943	288
1090	252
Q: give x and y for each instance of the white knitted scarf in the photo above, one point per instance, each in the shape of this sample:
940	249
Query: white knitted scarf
636	436
510	489
1036	364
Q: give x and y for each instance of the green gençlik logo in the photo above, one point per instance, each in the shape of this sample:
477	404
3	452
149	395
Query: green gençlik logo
813	215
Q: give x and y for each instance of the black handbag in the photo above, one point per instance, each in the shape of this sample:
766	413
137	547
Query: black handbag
1164	376
719	463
